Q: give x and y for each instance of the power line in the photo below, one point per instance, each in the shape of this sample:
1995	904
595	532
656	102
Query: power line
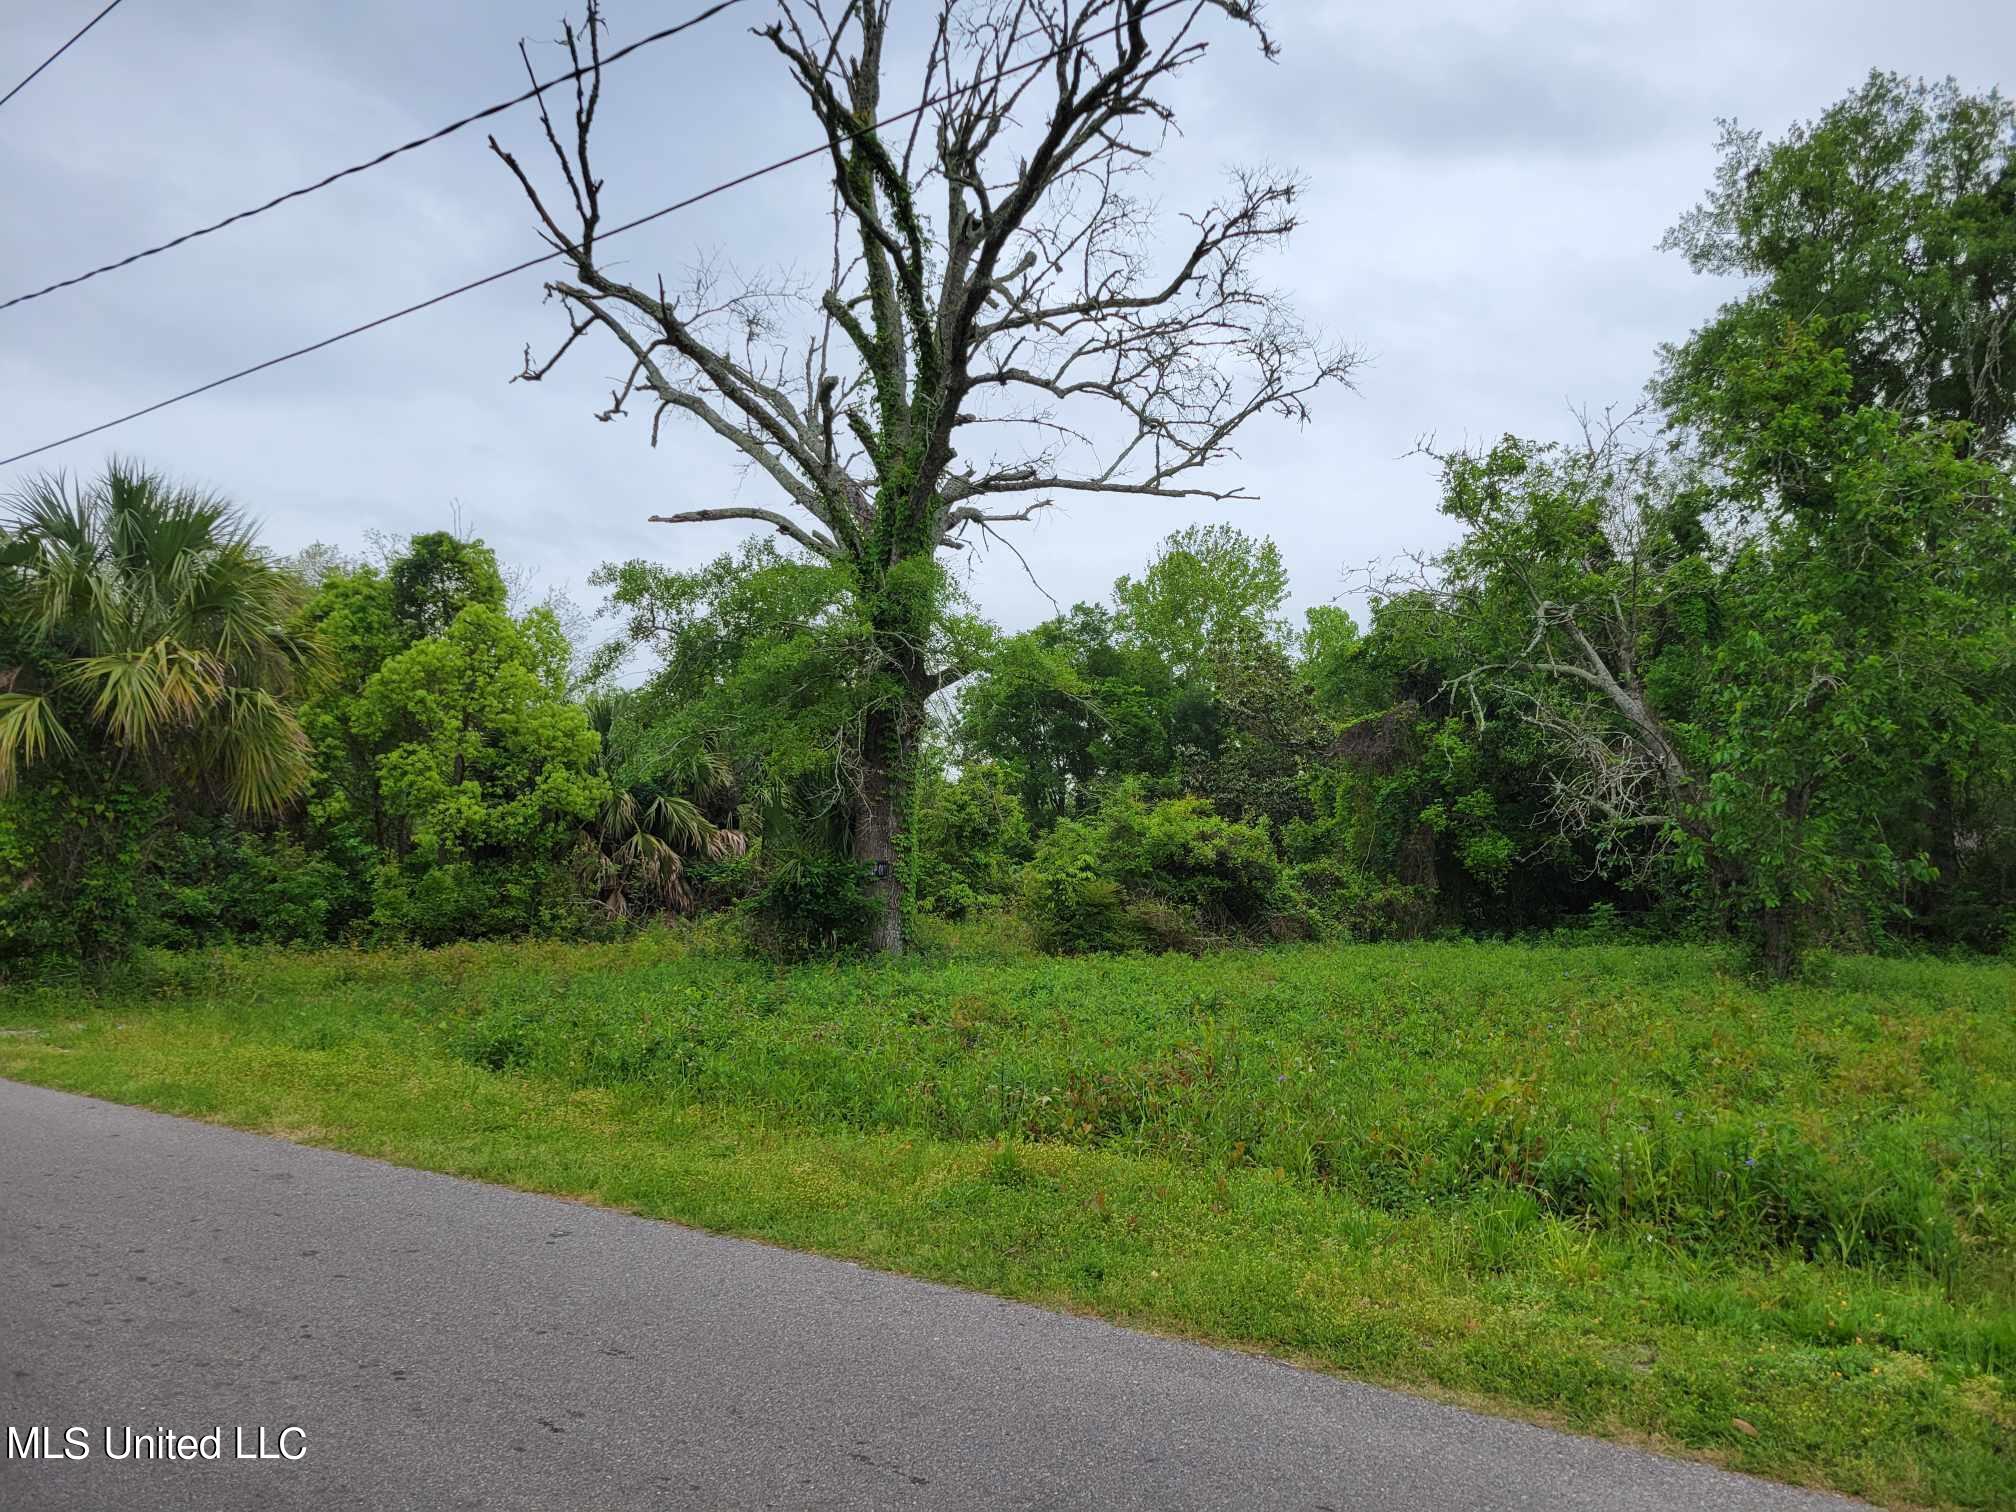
59	51
643	220
384	157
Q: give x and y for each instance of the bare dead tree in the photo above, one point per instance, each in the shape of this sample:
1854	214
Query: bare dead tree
996	329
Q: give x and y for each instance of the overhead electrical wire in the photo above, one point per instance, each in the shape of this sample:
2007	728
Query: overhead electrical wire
75	38
643	220
384	157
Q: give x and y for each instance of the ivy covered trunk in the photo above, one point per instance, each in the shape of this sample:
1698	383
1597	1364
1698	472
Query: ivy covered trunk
878	825
891	730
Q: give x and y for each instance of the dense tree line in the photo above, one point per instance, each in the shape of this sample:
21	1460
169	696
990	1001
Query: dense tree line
1740	664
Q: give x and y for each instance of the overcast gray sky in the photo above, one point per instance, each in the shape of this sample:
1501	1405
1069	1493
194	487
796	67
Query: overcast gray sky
1487	185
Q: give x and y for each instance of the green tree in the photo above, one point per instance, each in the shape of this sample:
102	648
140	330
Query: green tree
450	760
436	577
1867	680
1885	231
1762	706
1210	588
1253	752
1064	706
972	835
345	818
486	773
1435	781
1891	220
763	658
1333	664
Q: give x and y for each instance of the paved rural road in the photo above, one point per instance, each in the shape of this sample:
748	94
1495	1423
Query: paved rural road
446	1344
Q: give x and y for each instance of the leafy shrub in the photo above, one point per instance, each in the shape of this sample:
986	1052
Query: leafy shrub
1068	904
812	905
722	883
1358	905
1188	856
74	873
1168	875
971	836
220	884
951	896
432	904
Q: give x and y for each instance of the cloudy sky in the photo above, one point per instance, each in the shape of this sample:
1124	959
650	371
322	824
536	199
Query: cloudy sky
1487	185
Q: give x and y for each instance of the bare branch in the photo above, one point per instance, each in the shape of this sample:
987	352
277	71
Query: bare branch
818	544
1039	278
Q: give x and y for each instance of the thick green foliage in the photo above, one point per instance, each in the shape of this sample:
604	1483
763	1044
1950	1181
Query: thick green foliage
1159	875
761	658
1804	709
1890	221
812	905
1065	706
485	773
971	838
455	773
1356	904
633	856
1867	678
1751	677
436	577
1209	588
77	850
221	882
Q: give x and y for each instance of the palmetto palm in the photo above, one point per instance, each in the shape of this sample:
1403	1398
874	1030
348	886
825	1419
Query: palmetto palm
148	624
636	849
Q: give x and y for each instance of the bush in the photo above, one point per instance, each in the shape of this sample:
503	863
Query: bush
433	904
1358	905
220	883
1067	903
812	905
972	835
75	873
1224	872
1171	875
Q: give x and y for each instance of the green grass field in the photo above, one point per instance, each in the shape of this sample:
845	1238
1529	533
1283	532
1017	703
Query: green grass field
1615	1188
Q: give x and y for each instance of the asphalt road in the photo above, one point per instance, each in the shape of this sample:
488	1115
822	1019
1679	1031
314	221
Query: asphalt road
444	1344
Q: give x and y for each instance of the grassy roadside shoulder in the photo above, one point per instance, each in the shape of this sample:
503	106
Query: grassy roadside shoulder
825	1110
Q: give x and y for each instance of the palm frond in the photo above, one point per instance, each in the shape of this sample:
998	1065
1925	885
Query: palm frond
29	730
142	694
258	750
677	821
725	842
53	527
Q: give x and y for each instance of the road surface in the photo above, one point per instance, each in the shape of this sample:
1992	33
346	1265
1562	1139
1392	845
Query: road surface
442	1344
